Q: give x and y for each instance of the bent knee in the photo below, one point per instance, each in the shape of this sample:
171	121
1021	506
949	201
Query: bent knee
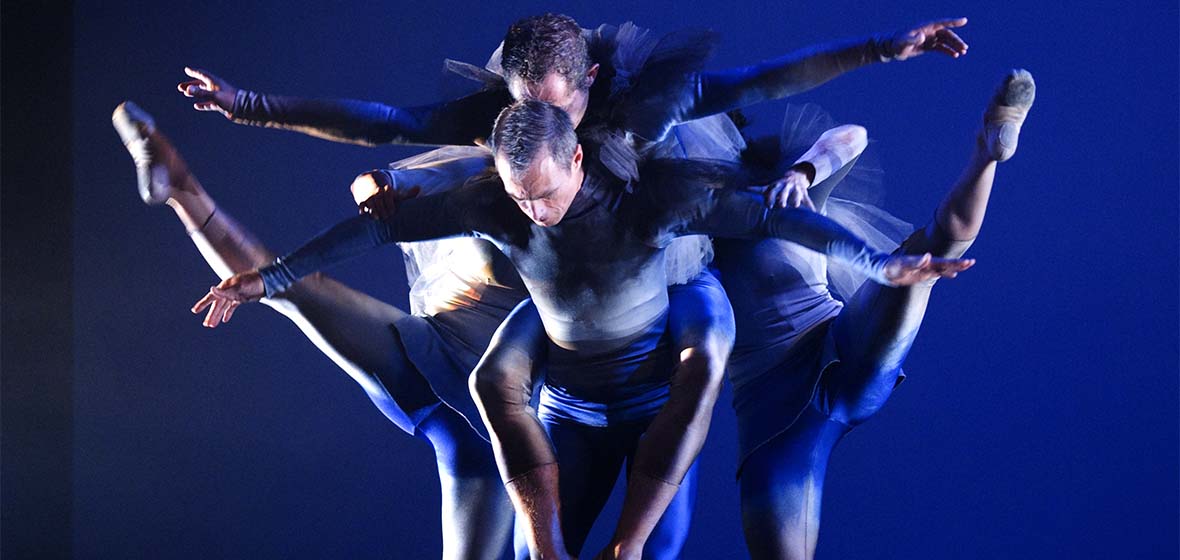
934	239
855	404
498	386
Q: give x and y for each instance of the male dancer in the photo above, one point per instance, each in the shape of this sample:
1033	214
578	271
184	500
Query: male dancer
547	58
807	369
590	256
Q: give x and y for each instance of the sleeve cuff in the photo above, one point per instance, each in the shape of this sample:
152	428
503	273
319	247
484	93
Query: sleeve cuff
276	277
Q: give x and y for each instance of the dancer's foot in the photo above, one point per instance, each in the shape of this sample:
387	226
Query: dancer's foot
1005	114
161	170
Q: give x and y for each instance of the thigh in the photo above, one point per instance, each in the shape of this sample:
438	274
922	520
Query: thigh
511	364
476	513
356	332
589	460
782	488
700	316
873	335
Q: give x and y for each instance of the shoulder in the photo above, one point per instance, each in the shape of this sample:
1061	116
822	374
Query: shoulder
485	187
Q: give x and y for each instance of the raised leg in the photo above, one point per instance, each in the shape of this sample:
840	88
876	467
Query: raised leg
878	326
354	330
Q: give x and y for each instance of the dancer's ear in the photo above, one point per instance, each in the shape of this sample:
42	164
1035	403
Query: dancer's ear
576	164
591	74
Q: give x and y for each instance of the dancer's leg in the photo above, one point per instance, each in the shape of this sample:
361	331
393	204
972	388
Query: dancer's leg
591	459
878	326
782	481
476	513
351	328
668	538
782	489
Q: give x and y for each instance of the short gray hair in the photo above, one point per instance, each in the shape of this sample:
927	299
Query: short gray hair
527	126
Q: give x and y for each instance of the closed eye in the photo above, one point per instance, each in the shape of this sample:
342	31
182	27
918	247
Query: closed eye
543	195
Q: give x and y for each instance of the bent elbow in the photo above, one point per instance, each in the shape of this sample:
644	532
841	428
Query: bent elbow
853	136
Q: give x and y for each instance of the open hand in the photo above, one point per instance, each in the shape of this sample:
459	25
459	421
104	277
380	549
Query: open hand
907	270
935	36
223	298
790	191
210	92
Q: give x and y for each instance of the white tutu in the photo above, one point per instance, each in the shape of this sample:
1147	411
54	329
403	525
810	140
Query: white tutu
437	270
853	200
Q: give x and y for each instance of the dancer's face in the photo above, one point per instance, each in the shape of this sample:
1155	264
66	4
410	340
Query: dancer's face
558	91
545	190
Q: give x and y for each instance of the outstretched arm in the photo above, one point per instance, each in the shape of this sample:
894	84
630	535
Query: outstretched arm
741	215
805	69
456	122
417	219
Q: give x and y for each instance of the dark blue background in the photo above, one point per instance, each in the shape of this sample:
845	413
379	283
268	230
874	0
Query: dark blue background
1039	420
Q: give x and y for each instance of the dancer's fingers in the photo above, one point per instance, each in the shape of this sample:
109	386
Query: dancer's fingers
771	194
197	91
951	38
381	204
389	199
949	22
189	88
807	203
229	289
229	311
211	318
944	49
953	265
203	303
206	106
795	197
219	312
208	79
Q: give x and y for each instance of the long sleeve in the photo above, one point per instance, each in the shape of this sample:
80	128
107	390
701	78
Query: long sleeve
419	219
441	169
456	122
742	215
799	71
